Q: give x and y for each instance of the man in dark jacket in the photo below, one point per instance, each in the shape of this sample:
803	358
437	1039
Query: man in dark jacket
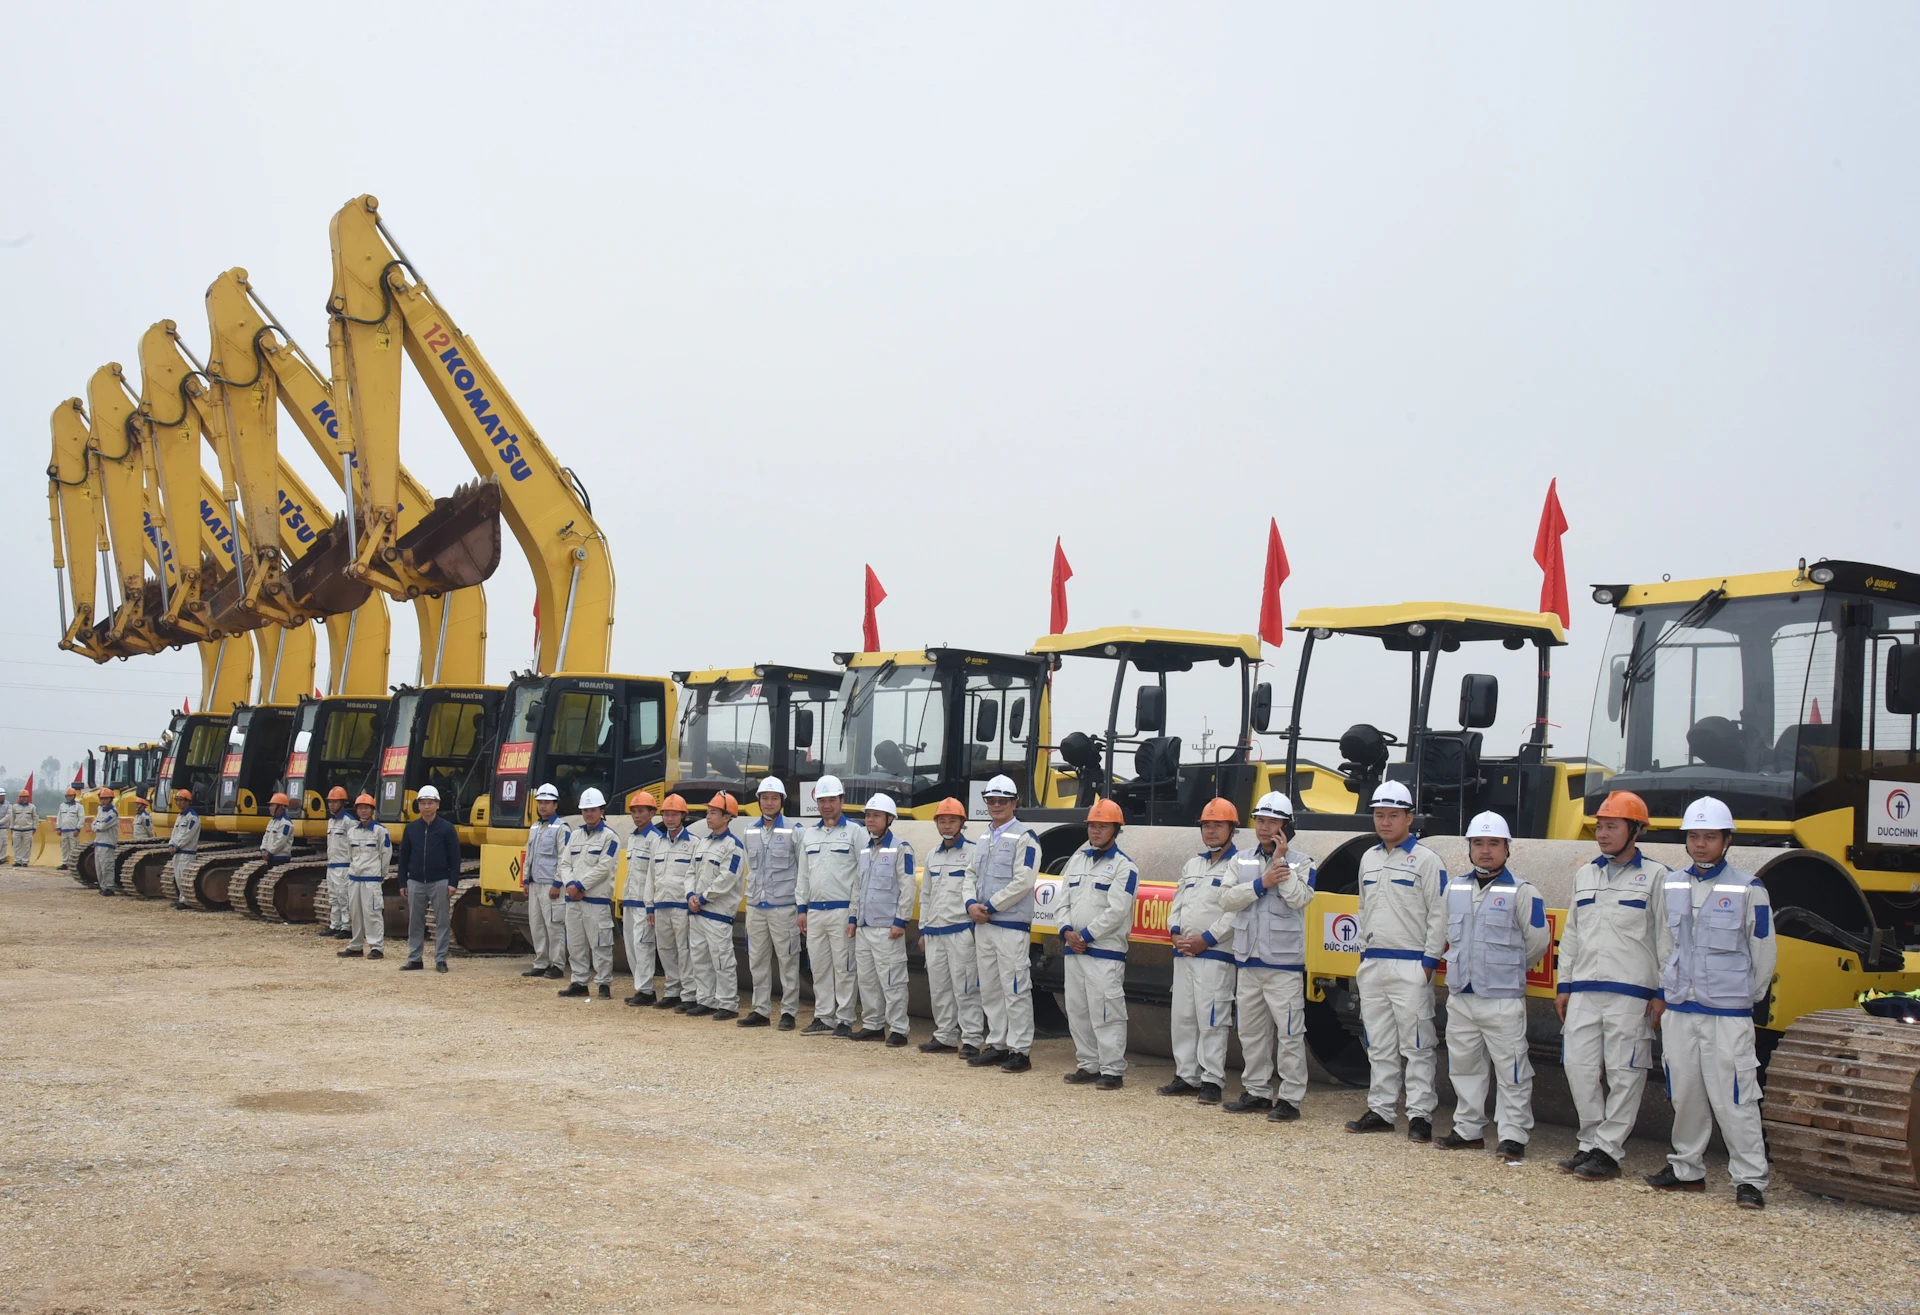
430	868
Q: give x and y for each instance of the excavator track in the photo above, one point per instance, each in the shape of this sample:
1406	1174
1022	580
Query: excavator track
1842	1108
480	928
208	877
288	893
241	884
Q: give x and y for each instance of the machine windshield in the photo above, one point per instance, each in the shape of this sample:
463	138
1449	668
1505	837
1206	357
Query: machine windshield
888	728
400	723
726	733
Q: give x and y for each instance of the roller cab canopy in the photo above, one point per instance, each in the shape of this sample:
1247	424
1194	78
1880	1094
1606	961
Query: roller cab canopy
1404	627
1152	650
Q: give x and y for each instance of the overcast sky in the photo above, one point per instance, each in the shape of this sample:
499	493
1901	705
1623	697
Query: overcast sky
799	288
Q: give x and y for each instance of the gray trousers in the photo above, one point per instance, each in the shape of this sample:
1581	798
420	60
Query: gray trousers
418	893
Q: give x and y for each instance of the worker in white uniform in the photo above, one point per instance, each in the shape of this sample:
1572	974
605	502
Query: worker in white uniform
671	877
775	854
68	822
883	895
1204	975
183	842
587	868
106	841
1496	931
369	856
1612	949
546	911
1270	959
719	876
822	897
339	890
1403	933
276	842
22	818
1006	863
1094	915
946	937
1720	967
636	897
142	819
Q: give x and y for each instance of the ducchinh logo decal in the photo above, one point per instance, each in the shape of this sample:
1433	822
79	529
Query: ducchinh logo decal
1899	805
1341	934
1890	816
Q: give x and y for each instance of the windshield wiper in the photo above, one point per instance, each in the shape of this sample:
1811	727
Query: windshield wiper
1704	609
873	688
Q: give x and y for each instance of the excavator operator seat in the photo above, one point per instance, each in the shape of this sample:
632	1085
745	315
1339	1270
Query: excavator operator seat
1717	742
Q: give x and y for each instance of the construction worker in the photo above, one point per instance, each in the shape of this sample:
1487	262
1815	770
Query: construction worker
68	822
883	894
546	914
775	855
1006	862
1403	932
1496	930
822	895
183	842
142	819
636	899
1720	967
1203	967
429	869
1272	888
1612	949
719	874
946	937
670	861
369	849
1095	914
22	818
106	841
586	872
276	842
339	889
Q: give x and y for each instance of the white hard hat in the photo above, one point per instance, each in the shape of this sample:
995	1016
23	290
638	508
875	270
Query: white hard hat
427	792
773	785
1002	786
828	787
1392	794
882	803
1273	804
546	791
1489	825
1707	814
591	798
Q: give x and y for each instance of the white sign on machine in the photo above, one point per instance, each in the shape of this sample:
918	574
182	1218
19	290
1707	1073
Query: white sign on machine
1893	813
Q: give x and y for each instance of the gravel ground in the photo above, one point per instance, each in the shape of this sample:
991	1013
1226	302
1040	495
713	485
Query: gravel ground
204	1114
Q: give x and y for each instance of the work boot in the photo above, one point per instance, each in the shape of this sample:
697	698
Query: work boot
936	1046
1110	1082
1370	1122
787	1022
606	990
348	954
1669	1181
1749	1197
1081	1077
1453	1141
843	1031
376	954
638	1001
989	1056
968	1051
755	1020
896	1039
1511	1152
535	972
439	965
1209	1093
1597	1167
1178	1087
1283	1111
573	991
818	1027
1573	1162
1248	1103
722	1015
109	892
413	966
869	1034
555	972
183	906
1016	1063
1420	1130
667	1002
696	1010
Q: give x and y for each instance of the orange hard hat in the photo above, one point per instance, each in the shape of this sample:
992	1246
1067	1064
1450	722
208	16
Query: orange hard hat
279	797
106	792
183	794
1220	810
338	792
1105	810
1624	803
673	803
950	807
725	803
366	799
641	799
139	801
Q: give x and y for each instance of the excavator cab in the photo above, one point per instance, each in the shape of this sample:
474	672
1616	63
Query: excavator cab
1448	770
193	752
738	726
336	741
442	736
926	724
258	740
609	733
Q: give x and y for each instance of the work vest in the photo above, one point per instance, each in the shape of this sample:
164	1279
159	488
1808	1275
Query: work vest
1712	959
545	841
1486	948
877	893
337	827
1269	933
773	863
999	857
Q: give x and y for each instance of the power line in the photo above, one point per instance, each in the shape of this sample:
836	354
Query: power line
69	730
68	666
77	689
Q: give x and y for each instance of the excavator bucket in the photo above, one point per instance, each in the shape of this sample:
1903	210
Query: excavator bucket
224	597
318	581
457	544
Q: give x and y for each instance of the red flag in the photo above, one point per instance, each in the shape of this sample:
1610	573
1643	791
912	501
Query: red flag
29	785
1057	616
76	778
1814	720
536	627
185	707
870	626
1546	551
1271	628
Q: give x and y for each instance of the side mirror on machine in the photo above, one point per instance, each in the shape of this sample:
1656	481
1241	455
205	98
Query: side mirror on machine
1150	710
1479	701
986	721
1903	680
1616	688
803	728
1262	706
1016	719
